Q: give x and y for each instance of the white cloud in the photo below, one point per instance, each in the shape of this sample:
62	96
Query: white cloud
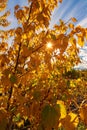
83	22
59	12
82	66
83	57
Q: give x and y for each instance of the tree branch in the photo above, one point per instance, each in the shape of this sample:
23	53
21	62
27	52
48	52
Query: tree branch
30	12
11	88
17	57
10	94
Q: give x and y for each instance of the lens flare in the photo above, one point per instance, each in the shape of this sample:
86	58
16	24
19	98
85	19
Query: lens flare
49	45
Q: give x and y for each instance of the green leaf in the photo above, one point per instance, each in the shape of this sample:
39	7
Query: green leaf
13	109
49	116
53	37
13	79
17	118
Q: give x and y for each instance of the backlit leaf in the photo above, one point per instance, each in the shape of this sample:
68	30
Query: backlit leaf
62	109
83	113
71	26
70	122
80	41
74	118
74	19
17	118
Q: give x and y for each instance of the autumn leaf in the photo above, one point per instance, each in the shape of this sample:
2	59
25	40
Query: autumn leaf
81	41
70	122
3	119
25	51
53	37
17	7
37	95
74	19
49	116
24	36
36	61
17	118
13	79
40	17
83	114
74	118
71	26
62	107
3	5
60	1
72	40
61	22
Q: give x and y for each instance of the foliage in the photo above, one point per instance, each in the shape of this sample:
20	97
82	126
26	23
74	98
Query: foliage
38	87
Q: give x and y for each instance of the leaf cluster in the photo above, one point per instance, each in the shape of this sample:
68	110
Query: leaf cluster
38	84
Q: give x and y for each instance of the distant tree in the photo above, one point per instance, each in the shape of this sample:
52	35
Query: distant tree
34	92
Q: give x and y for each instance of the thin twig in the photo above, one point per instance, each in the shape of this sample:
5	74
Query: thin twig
30	12
18	57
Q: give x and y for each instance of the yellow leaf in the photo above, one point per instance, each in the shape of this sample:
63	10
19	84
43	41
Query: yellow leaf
70	122
63	112
24	36
86	34
3	5
80	41
72	40
71	26
21	123
74	119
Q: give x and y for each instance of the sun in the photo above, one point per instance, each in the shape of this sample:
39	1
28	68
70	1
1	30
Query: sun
49	45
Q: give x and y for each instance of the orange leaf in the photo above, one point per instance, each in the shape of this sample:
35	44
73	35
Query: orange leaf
71	26
83	113
81	41
60	1
74	19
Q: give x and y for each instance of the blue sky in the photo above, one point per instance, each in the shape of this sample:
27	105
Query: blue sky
11	4
71	8
64	11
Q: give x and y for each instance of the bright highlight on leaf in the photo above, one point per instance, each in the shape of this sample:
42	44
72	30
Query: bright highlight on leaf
70	122
74	118
62	109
